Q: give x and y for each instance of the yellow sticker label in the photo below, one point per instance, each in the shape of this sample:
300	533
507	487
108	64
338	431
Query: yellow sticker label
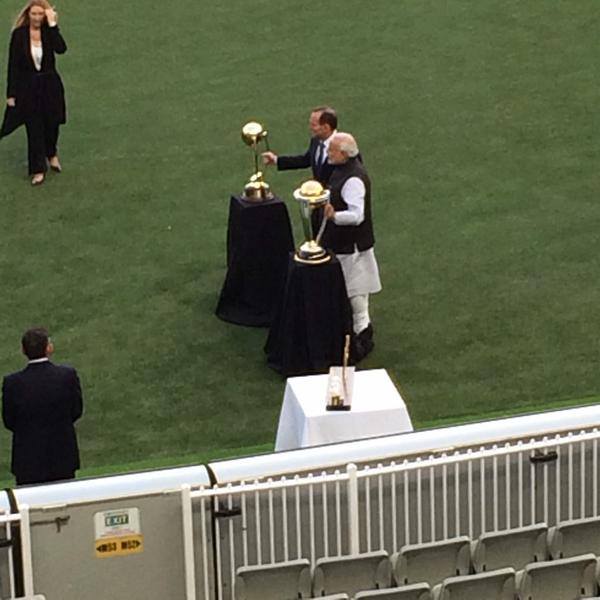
119	546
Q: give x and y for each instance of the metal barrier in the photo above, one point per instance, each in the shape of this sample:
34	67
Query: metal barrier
419	487
387	506
65	557
23	562
7	520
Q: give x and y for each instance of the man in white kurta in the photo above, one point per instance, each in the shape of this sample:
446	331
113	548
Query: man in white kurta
349	234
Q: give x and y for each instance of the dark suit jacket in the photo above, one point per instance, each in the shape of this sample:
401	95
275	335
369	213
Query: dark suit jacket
308	159
34	90
40	405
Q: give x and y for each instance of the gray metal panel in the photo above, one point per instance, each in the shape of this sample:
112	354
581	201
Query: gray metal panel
65	564
92	490
66	567
415	443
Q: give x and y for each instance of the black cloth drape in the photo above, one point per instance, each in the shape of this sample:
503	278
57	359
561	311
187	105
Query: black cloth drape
259	239
312	320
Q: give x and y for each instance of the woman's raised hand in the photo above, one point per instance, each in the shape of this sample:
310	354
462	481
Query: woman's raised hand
51	16
11	102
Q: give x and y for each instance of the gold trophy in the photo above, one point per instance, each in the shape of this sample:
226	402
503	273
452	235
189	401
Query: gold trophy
256	190
312	198
340	383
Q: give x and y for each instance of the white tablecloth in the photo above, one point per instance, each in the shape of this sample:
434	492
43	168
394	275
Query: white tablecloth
377	409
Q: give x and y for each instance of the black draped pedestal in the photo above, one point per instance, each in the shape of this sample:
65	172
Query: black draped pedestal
311	321
259	239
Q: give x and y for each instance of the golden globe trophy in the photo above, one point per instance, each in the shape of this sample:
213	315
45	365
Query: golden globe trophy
312	198
256	190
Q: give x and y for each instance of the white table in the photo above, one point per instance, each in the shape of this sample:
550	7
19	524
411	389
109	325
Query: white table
377	409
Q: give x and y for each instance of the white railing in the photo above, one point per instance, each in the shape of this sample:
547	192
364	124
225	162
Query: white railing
22	517
387	506
346	511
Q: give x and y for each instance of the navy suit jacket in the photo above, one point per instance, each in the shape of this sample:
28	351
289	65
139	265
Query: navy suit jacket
40	405
302	161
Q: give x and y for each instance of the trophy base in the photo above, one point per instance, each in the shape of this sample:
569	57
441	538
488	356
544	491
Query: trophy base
345	407
257	190
312	260
261	195
310	253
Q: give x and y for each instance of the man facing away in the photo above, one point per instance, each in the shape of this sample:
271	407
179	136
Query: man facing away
40	405
322	124
349	233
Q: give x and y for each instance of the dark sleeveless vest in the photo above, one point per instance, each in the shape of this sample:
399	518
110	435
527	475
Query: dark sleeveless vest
344	239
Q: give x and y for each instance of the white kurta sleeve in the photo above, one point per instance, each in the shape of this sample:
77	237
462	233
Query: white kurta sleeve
353	194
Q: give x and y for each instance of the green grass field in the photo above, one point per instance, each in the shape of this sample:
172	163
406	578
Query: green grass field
478	121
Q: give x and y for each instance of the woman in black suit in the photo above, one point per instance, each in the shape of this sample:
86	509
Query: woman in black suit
35	93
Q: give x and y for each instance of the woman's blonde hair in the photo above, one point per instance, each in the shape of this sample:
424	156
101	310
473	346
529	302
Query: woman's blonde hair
23	18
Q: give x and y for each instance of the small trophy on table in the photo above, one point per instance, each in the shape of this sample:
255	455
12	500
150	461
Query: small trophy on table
340	383
256	190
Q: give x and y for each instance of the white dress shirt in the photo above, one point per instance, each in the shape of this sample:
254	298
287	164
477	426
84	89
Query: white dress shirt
361	271
34	361
353	193
37	53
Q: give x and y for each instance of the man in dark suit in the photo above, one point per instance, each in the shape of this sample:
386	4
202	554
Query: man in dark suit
322	124
40	405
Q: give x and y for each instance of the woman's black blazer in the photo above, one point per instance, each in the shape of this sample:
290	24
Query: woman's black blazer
34	90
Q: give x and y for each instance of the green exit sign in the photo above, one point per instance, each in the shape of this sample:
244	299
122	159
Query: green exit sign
116	520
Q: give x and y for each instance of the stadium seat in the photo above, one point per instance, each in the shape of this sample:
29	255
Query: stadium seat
563	579
515	548
352	574
419	591
492	585
281	581
432	562
572	538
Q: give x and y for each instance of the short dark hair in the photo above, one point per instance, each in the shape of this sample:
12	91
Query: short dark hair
328	117
35	342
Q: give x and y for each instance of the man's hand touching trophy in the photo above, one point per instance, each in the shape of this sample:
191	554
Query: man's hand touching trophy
269	158
256	190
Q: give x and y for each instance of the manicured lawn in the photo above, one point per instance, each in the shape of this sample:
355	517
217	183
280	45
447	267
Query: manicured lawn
478	123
